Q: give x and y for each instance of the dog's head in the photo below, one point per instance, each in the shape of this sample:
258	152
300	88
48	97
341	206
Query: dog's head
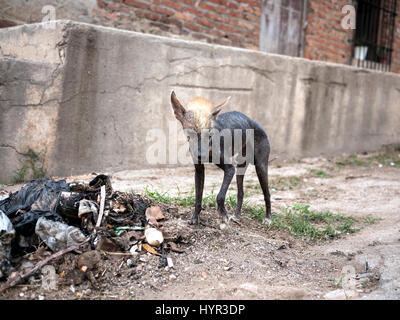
198	114
197	120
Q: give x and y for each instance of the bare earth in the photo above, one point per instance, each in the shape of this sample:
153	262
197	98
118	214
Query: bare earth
246	260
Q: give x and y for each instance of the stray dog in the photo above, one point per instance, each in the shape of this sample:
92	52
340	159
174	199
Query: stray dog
202	125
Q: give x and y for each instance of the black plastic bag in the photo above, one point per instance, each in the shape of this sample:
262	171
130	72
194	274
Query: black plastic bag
40	194
36	199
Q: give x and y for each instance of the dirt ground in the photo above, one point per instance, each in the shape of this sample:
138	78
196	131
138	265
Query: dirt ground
247	260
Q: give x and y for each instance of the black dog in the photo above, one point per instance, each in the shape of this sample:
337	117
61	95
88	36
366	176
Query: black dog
203	125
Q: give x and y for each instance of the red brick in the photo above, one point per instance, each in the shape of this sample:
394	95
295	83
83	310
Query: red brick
193	11
254	3
232	5
250	17
192	26
137	4
247	9
189	2
227	28
105	13
215	17
206	6
221	10
161	10
228	20
152	16
205	22
236	14
114	6
172	4
183	16
245	24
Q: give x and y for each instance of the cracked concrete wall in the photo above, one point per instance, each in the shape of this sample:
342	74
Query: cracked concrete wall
28	107
114	86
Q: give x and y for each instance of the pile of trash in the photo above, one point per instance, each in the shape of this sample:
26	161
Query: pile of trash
75	216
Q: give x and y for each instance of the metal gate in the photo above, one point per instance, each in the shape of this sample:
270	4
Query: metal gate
373	37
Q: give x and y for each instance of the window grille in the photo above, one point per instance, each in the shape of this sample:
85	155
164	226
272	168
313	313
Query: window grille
373	37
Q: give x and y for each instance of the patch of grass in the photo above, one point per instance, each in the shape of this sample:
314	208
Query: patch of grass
285	183
183	199
256	212
158	196
231	201
388	156
304	223
338	283
318	173
371	220
352	160
299	220
20	174
210	200
31	167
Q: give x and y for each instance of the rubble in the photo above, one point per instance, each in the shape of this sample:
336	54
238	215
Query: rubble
58	233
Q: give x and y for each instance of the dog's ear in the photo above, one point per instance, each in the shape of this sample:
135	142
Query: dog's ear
219	107
179	110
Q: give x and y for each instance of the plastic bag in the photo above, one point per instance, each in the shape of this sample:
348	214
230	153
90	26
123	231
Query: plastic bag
7	233
40	194
57	235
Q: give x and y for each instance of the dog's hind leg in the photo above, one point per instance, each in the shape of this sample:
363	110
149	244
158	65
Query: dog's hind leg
239	180
261	163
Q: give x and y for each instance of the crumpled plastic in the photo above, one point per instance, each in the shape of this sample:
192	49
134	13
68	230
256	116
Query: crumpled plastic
57	235
7	234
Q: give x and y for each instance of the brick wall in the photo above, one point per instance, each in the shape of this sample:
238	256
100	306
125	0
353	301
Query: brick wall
325	39
234	22
396	43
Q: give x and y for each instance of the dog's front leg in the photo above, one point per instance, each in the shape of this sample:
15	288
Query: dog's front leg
229	172
199	183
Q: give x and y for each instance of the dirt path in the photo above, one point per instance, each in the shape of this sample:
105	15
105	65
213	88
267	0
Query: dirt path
246	261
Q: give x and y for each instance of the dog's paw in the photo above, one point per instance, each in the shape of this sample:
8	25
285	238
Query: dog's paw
267	222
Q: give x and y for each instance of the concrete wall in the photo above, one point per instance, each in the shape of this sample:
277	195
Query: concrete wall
111	86
32	11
